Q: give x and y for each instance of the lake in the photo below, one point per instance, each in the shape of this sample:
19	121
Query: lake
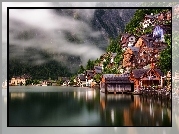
76	106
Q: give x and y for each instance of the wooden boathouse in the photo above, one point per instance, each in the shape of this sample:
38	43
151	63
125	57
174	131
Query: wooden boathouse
115	83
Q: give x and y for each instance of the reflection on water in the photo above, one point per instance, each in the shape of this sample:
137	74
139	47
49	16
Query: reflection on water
101	130
17	95
135	110
84	107
87	95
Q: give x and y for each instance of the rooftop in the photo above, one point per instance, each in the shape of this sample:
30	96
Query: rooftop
140	72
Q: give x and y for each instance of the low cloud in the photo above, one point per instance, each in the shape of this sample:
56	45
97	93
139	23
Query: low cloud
47	30
44	29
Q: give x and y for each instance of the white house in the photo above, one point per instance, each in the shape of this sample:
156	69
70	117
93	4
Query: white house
148	20
113	56
127	40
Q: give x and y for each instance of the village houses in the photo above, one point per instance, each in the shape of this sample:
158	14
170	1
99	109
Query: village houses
19	80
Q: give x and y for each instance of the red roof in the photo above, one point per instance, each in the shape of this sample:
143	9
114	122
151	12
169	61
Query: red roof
140	72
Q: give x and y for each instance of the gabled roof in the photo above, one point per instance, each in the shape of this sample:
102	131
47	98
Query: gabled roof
140	72
159	72
149	16
82	77
90	73
148	37
124	42
156	15
124	75
117	79
98	69
148	41
155	70
135	50
110	75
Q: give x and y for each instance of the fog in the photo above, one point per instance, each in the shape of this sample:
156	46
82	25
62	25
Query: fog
47	31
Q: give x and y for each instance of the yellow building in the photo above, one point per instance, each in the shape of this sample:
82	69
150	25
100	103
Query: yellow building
17	80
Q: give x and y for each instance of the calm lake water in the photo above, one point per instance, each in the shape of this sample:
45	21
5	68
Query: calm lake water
71	106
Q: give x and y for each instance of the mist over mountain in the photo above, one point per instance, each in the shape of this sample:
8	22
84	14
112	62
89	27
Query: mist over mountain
112	22
68	37
109	22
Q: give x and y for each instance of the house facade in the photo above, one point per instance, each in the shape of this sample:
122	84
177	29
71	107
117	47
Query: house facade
148	20
113	55
19	80
127	40
154	19
147	49
146	77
89	77
130	57
82	79
98	69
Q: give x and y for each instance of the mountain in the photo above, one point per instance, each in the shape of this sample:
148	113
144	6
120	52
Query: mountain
112	22
105	24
